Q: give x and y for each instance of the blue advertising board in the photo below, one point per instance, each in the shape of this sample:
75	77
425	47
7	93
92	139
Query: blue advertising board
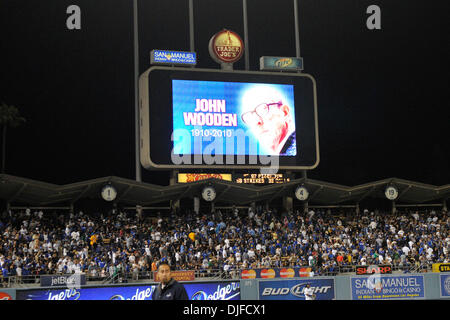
445	285
384	287
173	57
294	289
228	290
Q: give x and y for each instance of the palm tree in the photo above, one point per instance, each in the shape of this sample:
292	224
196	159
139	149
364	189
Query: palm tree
9	117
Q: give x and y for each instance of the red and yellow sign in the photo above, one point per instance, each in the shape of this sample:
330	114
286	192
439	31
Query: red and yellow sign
248	274
304	272
287	273
226	47
192	177
179	275
441	267
267	273
5	296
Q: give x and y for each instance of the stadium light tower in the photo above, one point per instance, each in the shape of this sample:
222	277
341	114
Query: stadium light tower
136	91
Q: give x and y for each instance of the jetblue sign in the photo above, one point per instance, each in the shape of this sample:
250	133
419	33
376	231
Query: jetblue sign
295	289
74	280
280	64
181	58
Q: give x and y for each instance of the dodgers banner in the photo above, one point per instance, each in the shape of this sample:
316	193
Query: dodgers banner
294	289
382	287
445	285
229	290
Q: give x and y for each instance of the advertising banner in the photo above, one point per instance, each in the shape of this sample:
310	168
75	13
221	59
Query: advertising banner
445	285
7	294
261	178
228	290
270	273
179	275
173	57
281	63
383	287
294	289
192	177
73	280
373	269
441	267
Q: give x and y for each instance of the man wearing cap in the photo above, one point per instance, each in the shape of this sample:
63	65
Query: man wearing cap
169	288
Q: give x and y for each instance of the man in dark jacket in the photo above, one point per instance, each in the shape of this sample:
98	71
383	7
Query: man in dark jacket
168	289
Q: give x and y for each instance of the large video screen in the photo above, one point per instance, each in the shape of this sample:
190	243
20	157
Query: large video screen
216	119
262	114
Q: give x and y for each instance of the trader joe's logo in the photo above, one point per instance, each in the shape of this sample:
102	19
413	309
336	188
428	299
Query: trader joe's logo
226	47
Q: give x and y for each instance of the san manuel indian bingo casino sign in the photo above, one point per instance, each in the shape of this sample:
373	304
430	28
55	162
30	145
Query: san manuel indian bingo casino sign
226	47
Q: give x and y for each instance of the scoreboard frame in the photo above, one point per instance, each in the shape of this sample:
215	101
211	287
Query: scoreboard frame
145	114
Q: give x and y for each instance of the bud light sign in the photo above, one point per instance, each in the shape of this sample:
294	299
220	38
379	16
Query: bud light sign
295	289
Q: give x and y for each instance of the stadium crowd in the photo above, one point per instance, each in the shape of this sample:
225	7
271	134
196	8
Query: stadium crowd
35	243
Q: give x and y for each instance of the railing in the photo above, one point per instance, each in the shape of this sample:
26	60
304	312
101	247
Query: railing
207	274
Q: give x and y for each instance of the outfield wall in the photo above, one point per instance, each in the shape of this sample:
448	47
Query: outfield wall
392	287
387	287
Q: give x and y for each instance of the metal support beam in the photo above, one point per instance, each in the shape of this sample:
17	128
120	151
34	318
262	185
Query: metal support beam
222	193
182	194
297	31
18	192
277	194
331	206
81	194
124	193
246	48
368	193
38	208
147	208
191	25
403	192
136	91
315	193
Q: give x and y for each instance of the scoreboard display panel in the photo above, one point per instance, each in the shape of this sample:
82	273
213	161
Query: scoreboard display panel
206	118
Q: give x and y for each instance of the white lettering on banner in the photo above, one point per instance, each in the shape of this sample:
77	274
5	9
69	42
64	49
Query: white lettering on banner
389	282
64	295
174	56
142	295
297	290
221	293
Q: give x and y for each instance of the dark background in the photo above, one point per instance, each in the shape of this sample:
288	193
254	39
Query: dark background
383	95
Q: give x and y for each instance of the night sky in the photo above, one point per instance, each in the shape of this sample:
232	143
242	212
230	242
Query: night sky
383	95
